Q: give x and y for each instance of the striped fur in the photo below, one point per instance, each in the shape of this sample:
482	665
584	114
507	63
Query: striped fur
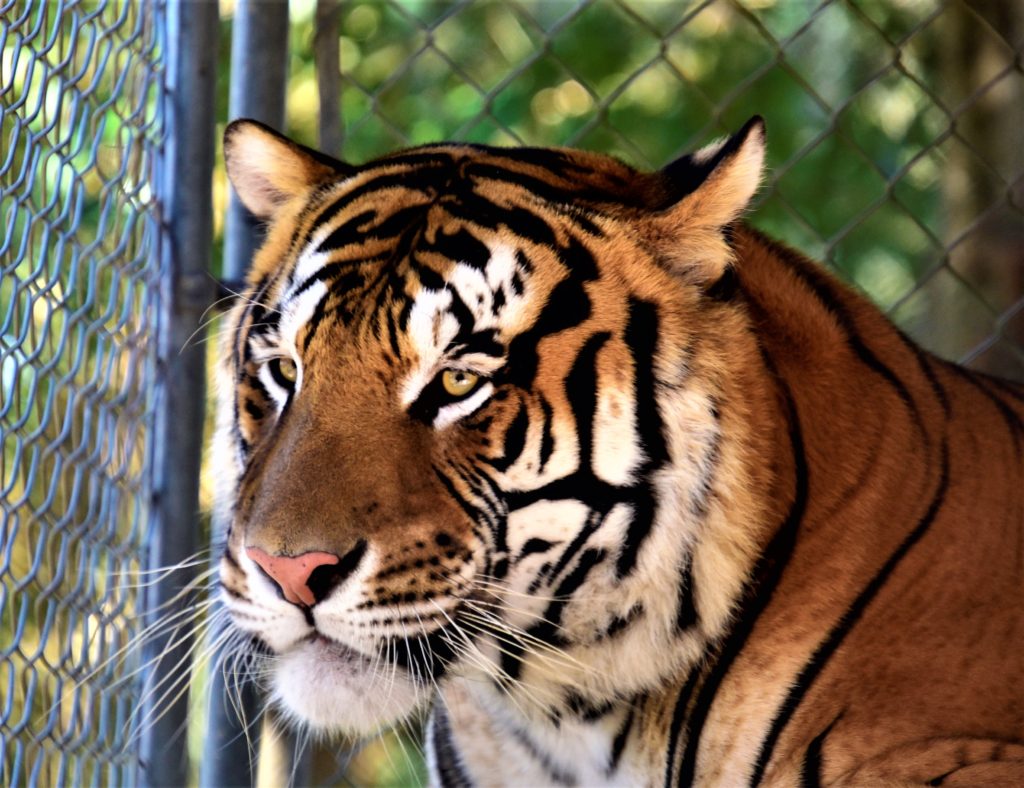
706	517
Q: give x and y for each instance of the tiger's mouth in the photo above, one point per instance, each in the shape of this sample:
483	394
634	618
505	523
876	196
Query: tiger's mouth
330	649
328	685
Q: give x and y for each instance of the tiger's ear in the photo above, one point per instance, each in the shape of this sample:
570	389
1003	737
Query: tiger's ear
708	190
269	170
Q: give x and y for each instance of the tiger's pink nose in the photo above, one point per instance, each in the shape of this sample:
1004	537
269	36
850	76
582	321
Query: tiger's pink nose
293	572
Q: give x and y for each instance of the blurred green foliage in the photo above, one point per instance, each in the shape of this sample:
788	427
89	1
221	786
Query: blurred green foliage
648	81
858	106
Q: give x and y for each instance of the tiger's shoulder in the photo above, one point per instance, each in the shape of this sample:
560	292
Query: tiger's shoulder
622	490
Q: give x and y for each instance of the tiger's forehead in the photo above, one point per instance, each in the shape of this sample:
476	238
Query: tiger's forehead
457	286
554	174
431	246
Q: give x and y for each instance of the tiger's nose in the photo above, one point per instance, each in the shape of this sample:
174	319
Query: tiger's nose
308	578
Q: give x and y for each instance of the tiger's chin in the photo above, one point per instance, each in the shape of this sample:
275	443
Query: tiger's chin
330	688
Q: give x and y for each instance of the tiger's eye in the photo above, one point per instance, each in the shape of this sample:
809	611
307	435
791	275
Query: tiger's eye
458	382
287	368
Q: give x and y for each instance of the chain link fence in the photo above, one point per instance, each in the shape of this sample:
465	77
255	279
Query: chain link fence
80	128
896	155
896	151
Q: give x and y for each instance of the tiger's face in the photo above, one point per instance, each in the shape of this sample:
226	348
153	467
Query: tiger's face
458	435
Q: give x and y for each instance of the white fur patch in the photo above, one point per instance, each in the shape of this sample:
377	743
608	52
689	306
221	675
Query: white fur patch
309	264
431	328
617	452
709	151
332	689
554	521
452	413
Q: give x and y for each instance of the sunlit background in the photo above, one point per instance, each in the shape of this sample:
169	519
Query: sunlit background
896	157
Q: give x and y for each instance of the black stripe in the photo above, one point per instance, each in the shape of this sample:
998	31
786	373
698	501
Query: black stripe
811	773
425	180
547	438
449	766
231	559
547	629
767	574
514	442
392	326
556	775
831	299
458	309
568	305
471	511
1014	424
686	608
578	259
641	336
485	342
487	506
678	717
725	288
581	386
621	623
579	486
585	709
253	409
594	521
553	615
426	157
1011	389
567	192
477	210
924	360
350	232
619	744
847	621
461	247
534	545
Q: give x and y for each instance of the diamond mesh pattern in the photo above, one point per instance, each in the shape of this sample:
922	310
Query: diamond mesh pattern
79	127
894	129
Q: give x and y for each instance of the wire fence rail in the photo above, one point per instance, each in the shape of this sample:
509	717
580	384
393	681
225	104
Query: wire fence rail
896	157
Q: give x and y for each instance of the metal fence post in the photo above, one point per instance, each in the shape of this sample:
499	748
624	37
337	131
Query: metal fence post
259	67
186	290
259	64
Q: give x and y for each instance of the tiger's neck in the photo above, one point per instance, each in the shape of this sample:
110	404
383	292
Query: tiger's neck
766	395
729	482
851	471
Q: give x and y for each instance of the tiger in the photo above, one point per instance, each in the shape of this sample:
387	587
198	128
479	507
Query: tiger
604	483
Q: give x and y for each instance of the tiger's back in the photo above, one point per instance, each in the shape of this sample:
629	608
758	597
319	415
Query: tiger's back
625	491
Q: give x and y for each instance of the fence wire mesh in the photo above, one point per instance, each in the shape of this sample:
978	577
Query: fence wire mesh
80	128
895	146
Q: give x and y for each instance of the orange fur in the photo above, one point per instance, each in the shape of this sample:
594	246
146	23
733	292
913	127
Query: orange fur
830	588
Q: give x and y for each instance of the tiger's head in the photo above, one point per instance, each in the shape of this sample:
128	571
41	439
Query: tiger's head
483	415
